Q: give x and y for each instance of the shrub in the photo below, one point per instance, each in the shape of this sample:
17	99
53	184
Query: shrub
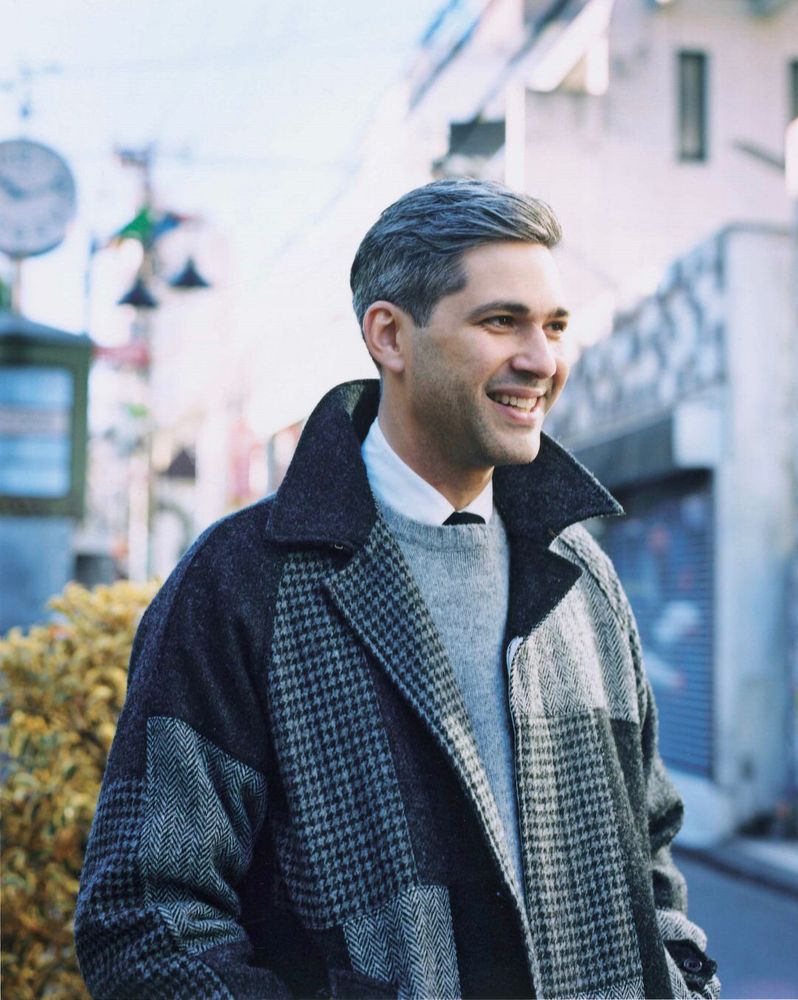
63	685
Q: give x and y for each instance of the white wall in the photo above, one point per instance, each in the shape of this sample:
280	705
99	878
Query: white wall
609	164
755	523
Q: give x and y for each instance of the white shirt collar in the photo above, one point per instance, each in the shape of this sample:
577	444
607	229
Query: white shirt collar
394	483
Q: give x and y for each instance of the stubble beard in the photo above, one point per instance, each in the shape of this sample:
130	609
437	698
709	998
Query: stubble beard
460	430
477	444
522	452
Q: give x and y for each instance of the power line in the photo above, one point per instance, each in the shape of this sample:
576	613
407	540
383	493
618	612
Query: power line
224	161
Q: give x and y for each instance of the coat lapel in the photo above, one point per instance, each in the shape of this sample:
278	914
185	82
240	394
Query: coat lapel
377	595
539	580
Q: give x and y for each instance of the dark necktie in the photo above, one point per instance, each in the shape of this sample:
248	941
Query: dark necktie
464	517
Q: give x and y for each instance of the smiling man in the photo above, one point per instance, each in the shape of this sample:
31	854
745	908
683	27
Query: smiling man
388	733
471	391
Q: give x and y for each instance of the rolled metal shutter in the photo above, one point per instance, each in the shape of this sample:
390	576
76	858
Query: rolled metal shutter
662	551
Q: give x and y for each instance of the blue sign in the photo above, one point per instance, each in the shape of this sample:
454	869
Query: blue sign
36	405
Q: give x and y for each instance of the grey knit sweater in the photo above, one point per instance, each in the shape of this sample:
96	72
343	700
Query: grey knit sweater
463	573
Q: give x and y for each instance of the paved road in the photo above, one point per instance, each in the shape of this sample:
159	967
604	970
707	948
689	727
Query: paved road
753	932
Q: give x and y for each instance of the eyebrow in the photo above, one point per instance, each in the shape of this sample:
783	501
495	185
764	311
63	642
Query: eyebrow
515	309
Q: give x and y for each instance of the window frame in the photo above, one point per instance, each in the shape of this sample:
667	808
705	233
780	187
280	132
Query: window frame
692	108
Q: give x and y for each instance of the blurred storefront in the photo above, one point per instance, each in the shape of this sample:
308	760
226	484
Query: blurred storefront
686	412
663	550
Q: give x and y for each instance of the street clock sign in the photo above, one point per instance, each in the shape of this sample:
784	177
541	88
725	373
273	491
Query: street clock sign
37	198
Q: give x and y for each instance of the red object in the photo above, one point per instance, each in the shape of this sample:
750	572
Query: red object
133	354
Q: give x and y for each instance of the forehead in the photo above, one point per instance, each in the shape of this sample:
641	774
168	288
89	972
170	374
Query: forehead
525	272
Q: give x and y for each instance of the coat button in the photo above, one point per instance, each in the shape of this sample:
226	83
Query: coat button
692	965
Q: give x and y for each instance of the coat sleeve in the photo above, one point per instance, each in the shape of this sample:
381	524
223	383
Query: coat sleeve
692	972
180	810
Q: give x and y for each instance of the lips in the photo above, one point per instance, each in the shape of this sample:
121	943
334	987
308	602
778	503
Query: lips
526	404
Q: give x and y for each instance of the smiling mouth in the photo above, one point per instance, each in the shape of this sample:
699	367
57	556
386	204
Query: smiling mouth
522	403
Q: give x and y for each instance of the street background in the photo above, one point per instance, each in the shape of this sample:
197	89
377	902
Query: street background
751	928
209	171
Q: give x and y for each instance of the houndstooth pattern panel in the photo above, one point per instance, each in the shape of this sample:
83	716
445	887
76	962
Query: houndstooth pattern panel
578	659
380	598
409	942
577	893
201	804
113	846
345	846
118	931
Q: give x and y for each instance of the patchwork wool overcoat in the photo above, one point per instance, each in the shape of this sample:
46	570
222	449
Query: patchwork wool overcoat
294	804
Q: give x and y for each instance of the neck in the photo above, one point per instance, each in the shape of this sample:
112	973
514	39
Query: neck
459	485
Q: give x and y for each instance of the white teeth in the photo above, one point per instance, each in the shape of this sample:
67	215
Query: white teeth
516	401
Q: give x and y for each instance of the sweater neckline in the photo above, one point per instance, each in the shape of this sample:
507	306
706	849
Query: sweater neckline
456	537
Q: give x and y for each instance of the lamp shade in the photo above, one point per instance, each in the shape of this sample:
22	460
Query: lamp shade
189	277
139	296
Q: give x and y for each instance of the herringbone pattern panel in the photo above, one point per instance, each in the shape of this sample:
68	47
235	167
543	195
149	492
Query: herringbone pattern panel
120	930
409	942
579	658
679	987
611	621
675	926
202	806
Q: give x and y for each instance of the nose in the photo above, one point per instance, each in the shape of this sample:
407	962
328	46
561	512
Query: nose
536	354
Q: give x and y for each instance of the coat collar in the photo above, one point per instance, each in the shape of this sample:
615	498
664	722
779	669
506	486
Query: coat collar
325	496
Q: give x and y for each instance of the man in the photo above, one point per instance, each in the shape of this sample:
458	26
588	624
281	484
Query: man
371	750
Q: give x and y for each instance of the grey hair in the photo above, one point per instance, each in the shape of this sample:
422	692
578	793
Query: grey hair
412	255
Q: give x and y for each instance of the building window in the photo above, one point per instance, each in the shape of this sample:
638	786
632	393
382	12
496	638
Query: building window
693	104
793	105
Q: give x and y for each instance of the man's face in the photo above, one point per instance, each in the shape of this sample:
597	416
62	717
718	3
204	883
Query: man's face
480	377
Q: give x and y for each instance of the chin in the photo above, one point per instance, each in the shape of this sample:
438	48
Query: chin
520	454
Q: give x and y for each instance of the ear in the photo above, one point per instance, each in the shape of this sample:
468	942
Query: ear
385	330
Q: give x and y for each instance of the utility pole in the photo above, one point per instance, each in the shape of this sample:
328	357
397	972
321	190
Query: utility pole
791	179
149	225
141	495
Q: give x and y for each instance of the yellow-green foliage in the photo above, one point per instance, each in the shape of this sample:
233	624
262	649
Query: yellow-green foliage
62	688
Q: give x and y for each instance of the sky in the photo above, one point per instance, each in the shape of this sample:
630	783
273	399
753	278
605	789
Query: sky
255	109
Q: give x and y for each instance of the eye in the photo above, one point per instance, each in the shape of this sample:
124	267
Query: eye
502	321
557	326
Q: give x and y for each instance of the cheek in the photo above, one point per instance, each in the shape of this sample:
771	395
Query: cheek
432	394
563	367
447	369
561	376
